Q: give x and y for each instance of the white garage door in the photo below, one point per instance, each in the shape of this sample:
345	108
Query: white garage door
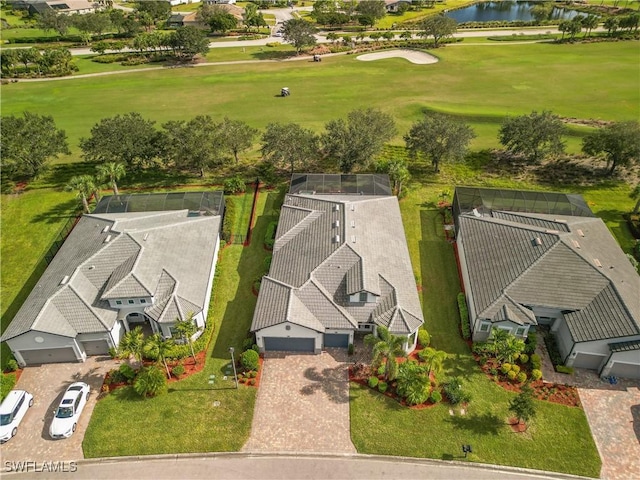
96	347
584	360
625	370
48	355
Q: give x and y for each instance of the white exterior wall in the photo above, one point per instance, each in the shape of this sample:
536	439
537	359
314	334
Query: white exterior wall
212	275
136	306
355	298
295	331
563	337
631	357
27	341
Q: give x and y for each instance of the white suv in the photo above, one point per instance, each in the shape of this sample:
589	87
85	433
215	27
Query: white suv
12	411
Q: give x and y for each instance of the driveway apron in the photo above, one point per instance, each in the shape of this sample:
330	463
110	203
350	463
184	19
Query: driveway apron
302	404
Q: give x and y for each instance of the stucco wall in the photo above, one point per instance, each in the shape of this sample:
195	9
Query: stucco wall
27	341
295	331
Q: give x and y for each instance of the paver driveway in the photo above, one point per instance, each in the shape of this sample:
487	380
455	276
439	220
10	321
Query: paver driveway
47	383
302	404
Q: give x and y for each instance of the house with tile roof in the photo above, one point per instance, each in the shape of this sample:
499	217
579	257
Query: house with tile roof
340	265
136	260
540	258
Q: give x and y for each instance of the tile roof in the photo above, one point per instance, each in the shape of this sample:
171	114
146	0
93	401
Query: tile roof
625	346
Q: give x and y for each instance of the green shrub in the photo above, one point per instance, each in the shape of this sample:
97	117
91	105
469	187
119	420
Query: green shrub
113	352
256	348
521	377
464	316
563	369
127	372
228	221
252	382
455	392
234	185
270	235
7	382
252	374
480	348
267	262
436	396
110	58
151	381
12	365
536	362
178	370
493	371
531	343
381	370
350	350
482	360
250	359
552	348
536	374
424	339
247	343
382	387
515	368
524	358
505	368
373	382
515	356
511	375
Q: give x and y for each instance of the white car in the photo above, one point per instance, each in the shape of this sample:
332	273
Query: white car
67	414
12	410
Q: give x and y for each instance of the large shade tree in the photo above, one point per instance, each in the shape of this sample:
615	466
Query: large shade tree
289	144
534	136
358	139
439	138
237	136
28	143
299	33
618	142
438	27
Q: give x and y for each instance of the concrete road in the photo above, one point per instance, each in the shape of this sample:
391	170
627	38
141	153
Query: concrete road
278	467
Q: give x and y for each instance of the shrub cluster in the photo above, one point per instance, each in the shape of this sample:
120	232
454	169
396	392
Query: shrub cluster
536	374
234	185
424	339
455	393
436	396
464	316
270	235
536	361
373	382
228	221
563	369
250	359
12	365
382	387
531	343
552	348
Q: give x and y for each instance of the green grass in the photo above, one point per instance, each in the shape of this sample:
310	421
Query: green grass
559	439
184	420
480	84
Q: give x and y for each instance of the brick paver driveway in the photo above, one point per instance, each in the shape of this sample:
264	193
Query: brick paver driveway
47	383
302	404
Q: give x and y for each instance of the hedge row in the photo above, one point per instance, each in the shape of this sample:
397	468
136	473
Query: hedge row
464	316
270	235
552	348
229	221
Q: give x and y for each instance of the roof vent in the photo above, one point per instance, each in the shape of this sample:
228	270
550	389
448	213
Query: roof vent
537	242
108	239
580	232
353	224
336	224
353	239
597	262
336	239
336	208
575	243
106	229
476	213
65	280
353	207
552	231
146	235
91	267
559	220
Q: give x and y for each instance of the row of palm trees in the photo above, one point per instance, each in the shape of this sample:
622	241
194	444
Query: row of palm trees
87	185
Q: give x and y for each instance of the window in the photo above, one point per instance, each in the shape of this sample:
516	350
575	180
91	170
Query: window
520	331
131	302
363	296
142	300
484	327
118	302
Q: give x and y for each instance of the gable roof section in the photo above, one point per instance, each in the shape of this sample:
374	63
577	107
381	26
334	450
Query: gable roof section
272	307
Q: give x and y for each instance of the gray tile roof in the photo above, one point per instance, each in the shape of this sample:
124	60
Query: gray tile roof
330	246
142	249
530	220
625	346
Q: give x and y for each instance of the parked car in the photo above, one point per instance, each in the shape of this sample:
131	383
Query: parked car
12	410
67	414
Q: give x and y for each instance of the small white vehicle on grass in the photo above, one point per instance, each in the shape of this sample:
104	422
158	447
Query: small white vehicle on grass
12	410
67	414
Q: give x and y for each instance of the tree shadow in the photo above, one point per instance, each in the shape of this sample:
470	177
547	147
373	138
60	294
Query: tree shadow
272	55
635	414
56	212
487	423
330	381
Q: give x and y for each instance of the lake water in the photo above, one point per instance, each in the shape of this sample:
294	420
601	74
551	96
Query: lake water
504	12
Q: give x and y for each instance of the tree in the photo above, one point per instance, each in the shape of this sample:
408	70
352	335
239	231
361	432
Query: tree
83	186
541	11
374	9
535	136
132	344
439	137
150	382
50	20
397	171
237	136
413	382
196	144
156	346
333	37
222	22
572	27
505	345
299	33
111	172
438	27
589	23
187	329
523	406
611	24
434	360
289	144
128	139
28	143
96	23
250	13
9	58
406	35
357	140
635	194
386	347
158	10
187	42
619	142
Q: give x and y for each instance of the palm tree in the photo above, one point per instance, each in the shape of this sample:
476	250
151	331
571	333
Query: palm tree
386	346
150	382
84	186
111	171
132	344
157	346
187	329
434	360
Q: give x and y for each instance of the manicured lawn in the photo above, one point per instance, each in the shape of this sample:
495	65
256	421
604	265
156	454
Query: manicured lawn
480	84
185	420
559	439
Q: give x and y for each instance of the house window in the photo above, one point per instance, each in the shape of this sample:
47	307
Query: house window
118	302
142	300
520	331
131	302
363	296
484	327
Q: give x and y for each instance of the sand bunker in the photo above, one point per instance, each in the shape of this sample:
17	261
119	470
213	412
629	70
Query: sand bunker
413	56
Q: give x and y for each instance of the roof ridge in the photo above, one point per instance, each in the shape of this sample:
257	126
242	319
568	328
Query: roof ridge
326	294
90	307
508	223
293	232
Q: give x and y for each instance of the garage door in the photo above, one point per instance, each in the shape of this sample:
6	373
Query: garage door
48	355
625	370
338	340
96	347
289	344
584	360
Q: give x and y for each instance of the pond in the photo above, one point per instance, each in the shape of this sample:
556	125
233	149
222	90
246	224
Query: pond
505	11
